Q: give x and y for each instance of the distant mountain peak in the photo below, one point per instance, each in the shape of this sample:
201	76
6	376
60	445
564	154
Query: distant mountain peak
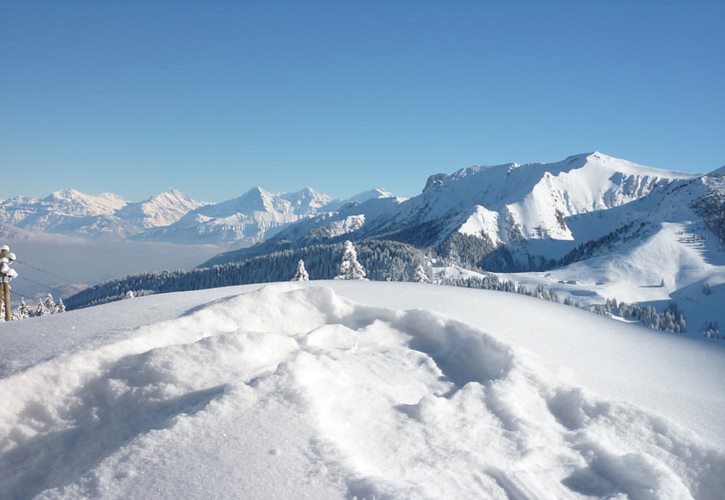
719	171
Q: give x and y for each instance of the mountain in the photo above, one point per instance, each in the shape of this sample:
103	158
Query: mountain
347	389
161	210
244	220
503	217
169	217
66	211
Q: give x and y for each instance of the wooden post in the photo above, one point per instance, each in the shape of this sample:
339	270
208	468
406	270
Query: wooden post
6	298
6	288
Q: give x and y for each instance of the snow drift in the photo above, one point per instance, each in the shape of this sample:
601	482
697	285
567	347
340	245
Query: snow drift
288	391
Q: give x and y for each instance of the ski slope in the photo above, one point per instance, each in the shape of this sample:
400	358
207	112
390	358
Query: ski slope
355	389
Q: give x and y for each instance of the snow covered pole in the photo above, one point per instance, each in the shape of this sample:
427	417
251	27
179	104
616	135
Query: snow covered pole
7	274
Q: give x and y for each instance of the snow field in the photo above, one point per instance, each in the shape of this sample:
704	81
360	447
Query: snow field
289	391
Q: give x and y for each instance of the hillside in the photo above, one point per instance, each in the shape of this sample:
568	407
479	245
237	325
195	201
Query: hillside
356	389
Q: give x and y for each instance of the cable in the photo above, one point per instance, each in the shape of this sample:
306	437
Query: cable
36	283
28	296
25	263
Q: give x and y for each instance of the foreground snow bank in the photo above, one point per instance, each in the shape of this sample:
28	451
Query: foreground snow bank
288	392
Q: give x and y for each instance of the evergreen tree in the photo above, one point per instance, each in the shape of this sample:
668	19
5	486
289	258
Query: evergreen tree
49	304
421	275
350	268
22	311
301	274
41	309
60	307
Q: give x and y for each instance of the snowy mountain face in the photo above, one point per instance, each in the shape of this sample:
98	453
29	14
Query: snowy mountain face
161	210
508	203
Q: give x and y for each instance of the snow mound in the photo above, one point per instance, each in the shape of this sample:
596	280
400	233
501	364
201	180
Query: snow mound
289	391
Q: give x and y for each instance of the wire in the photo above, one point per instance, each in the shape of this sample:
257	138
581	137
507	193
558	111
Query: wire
25	263
23	295
36	283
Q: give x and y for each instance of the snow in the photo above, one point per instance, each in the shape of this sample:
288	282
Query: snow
355	389
482	221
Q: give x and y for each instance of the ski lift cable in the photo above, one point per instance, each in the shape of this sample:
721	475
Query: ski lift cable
26	263
22	295
35	283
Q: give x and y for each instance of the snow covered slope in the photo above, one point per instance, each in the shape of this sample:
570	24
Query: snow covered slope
334	390
665	246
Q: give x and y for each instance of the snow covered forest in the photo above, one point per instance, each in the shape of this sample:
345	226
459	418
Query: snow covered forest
382	261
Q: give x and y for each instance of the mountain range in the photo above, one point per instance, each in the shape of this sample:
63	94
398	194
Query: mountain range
511	217
505	217
167	217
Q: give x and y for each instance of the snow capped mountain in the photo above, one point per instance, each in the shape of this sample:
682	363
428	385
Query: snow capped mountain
65	211
510	202
244	220
73	202
170	216
160	210
512	213
369	195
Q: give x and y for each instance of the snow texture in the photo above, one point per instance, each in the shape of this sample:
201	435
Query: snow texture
297	391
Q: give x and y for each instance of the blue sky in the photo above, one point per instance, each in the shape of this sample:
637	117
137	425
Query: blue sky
213	97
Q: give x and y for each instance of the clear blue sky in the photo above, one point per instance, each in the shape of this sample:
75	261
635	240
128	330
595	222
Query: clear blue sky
214	97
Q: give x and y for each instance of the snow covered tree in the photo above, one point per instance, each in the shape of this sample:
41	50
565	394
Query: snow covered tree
350	268
45	306
712	329
22	311
60	307
49	304
706	289
301	274
40	309
129	295
421	275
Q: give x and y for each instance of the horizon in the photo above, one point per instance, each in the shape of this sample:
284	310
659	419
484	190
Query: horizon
131	98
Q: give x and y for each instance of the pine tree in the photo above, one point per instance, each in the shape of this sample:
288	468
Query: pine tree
49	304
350	268
301	274
40	309
60	307
421	276
22	311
